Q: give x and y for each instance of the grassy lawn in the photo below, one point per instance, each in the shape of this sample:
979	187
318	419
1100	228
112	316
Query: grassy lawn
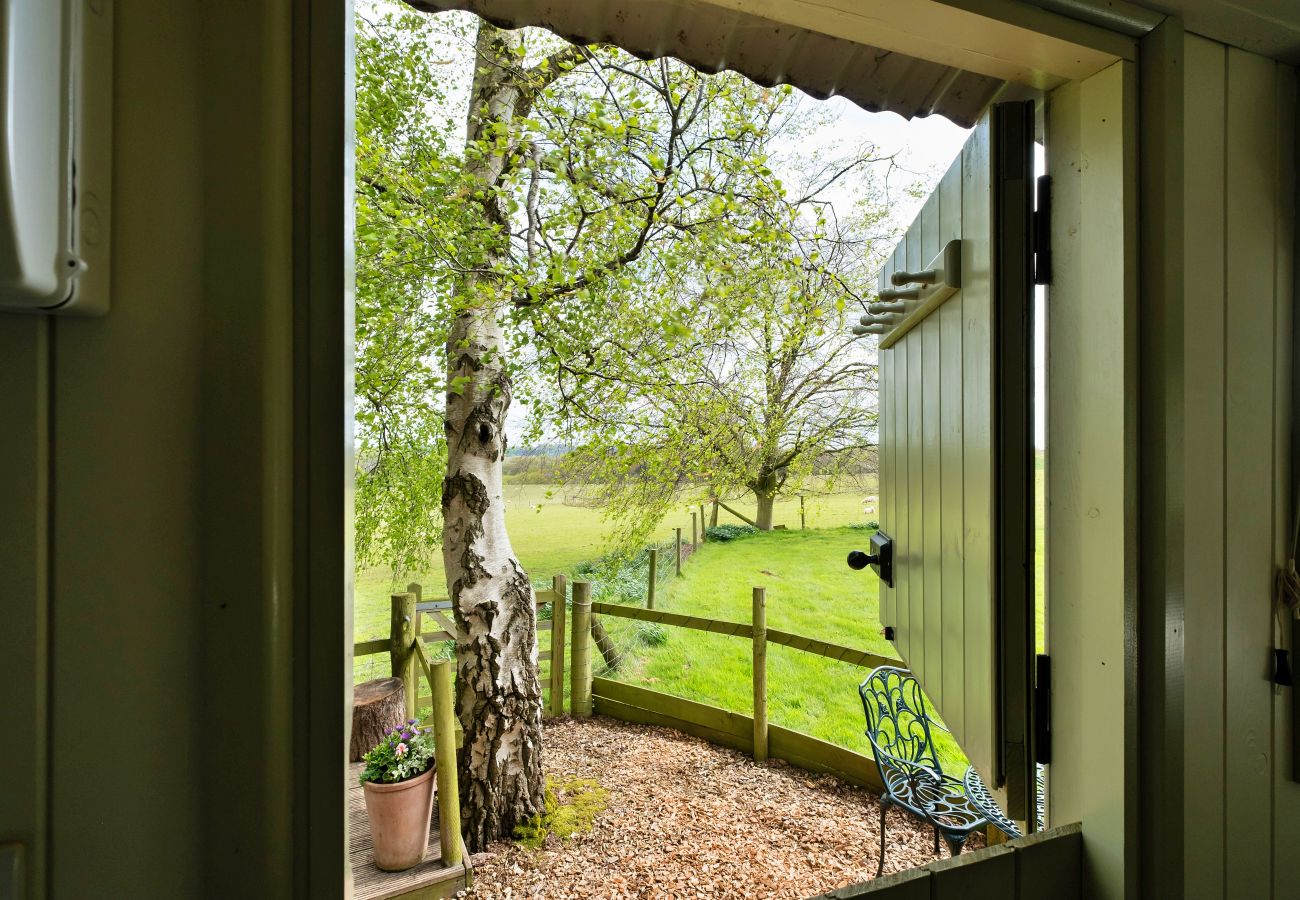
810	591
551	537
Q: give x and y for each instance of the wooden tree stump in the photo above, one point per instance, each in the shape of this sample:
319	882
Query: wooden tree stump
377	705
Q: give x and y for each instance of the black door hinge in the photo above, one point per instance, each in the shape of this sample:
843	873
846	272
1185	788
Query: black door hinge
1043	232
1042	709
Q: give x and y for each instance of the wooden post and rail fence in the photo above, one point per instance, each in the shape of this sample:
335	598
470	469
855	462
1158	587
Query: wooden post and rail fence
754	734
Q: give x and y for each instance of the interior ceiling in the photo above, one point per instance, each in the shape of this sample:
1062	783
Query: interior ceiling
711	38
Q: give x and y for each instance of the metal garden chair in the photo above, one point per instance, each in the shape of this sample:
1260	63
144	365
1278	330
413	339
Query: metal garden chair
899	728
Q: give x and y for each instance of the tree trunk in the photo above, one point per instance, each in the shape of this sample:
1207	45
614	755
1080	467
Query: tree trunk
765	488
605	644
377	706
498	694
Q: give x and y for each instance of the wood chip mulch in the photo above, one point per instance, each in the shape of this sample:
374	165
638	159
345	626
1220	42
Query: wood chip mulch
689	819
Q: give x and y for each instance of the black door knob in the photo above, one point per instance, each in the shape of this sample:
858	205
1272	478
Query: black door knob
860	560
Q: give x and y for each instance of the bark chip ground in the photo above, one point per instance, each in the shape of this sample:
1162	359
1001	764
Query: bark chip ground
690	819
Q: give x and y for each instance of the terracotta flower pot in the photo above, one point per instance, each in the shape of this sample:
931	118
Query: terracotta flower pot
399	820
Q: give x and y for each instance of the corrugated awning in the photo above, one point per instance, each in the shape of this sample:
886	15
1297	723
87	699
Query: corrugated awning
712	38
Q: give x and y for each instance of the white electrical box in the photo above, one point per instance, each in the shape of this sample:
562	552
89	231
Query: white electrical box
55	155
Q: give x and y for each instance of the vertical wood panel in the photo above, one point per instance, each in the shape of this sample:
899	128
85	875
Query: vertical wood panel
977	462
1204	411
932	617
1286	801
24	558
951	537
914	639
991	876
887	465
1049	864
902	502
1065	511
1251	153
1090	515
1109	389
940	400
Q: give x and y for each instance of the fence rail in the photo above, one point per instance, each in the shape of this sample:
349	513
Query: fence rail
831	651
409	603
717	626
752	734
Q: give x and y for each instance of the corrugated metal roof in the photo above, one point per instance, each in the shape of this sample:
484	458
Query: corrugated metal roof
711	39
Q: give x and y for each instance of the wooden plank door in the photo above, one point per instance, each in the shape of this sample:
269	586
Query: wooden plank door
956	458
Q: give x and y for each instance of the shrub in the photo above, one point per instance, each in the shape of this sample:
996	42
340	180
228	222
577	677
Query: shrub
405	753
724	533
652	634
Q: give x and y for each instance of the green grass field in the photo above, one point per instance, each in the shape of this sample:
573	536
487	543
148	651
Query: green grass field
811	592
551	537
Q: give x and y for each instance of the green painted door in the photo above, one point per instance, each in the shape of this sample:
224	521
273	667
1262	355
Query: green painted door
955	448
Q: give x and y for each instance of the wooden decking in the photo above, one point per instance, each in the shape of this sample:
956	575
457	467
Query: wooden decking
426	881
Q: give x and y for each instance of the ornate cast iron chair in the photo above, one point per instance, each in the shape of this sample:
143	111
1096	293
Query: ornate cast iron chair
899	729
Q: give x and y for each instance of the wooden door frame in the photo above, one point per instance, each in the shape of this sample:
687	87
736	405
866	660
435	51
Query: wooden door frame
319	672
323	435
1092	485
1012	185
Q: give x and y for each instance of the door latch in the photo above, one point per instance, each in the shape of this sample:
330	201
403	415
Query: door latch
881	559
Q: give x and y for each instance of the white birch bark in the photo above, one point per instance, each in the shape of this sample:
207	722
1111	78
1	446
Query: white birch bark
498	696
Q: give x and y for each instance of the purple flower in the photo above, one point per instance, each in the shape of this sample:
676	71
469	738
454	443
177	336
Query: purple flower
410	721
405	735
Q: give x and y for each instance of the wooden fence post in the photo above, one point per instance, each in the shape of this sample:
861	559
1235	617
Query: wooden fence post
401	647
559	586
413	587
679	551
444	750
802	523
654	577
760	674
695	537
580	658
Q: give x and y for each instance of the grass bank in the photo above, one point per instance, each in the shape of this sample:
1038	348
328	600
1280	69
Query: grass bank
811	592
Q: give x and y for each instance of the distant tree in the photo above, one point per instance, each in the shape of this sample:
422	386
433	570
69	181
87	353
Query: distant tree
769	389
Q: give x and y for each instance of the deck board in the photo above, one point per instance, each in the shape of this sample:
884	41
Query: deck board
429	879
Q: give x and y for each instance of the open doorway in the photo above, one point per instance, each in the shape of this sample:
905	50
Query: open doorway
491	426
687	258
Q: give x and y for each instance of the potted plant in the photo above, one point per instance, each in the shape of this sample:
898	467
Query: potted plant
398	784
